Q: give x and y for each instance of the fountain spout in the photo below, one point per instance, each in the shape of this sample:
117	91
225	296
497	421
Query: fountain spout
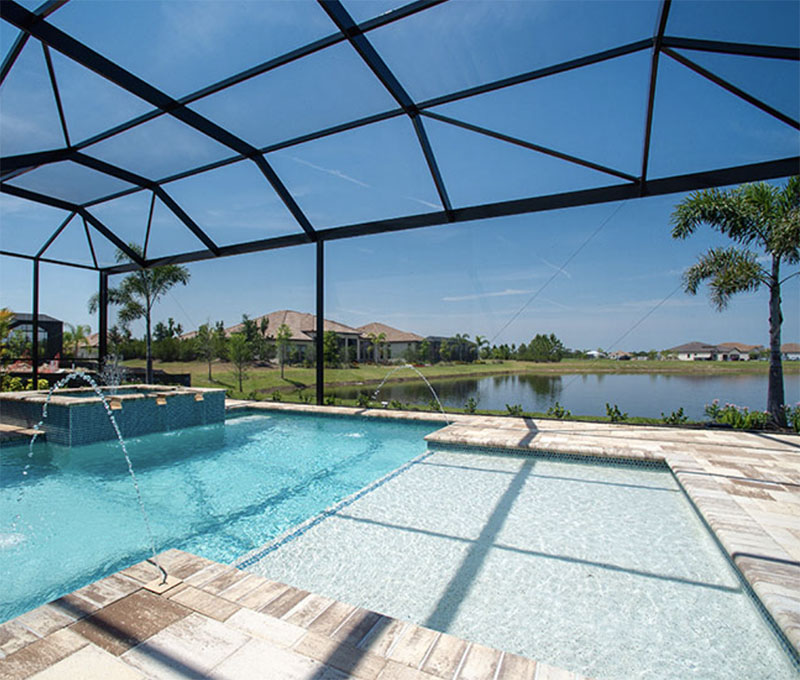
424	379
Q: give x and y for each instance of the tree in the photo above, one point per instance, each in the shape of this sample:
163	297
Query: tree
461	341
207	345
753	216
164	331
282	339
330	348
75	337
425	350
139	292
545	348
241	354
482	341
445	351
376	339
6	317
18	345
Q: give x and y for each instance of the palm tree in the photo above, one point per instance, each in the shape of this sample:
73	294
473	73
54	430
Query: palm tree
461	342
138	293
480	342
753	215
75	337
377	340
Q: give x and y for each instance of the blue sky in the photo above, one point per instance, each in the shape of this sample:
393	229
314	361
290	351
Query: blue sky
469	278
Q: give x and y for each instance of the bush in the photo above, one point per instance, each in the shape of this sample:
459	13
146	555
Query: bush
330	400
433	405
793	416
614	414
362	400
515	410
305	398
471	405
396	404
675	418
276	396
558	411
12	384
738	418
253	395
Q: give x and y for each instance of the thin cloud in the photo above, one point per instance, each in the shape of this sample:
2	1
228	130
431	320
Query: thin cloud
425	203
481	296
330	171
557	268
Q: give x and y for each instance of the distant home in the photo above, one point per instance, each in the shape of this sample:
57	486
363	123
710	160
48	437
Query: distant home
701	351
790	351
51	332
354	342
397	342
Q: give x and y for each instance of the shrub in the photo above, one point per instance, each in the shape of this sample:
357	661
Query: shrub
363	400
614	414
330	400
305	398
253	395
793	416
433	405
675	418
738	418
515	410
396	404
471	405
276	396
12	384
558	411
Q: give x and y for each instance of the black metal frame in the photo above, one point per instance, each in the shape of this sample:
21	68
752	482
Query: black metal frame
34	25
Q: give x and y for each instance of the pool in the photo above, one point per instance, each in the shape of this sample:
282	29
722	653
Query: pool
218	491
603	569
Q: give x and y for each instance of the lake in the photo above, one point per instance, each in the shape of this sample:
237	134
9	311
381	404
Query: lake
646	395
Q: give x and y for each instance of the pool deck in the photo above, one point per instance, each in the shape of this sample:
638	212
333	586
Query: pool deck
215	621
219	622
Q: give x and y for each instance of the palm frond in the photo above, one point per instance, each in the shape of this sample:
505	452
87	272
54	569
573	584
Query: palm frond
728	271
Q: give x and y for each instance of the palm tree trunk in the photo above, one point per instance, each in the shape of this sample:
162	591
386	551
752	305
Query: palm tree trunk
775	395
148	350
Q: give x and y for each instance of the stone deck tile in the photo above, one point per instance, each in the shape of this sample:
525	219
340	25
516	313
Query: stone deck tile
285	602
262	594
205	603
14	636
413	646
340	655
480	662
515	667
275	631
44	620
308	610
89	663
129	621
329	620
41	654
191	647
446	656
383	636
356	627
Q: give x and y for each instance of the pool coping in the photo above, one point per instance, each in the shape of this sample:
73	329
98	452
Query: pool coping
745	486
215	619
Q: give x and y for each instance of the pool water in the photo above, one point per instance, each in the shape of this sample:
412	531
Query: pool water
601	569
218	491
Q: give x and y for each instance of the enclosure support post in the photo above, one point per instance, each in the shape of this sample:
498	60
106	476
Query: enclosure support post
35	324
102	321
320	323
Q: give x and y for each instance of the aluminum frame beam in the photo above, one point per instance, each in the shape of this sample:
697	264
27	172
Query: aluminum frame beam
657	187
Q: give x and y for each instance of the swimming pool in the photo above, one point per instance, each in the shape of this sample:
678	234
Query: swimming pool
597	568
217	491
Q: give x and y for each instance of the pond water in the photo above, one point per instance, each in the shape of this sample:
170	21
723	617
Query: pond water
646	395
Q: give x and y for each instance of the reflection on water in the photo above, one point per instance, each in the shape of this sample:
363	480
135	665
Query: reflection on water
641	394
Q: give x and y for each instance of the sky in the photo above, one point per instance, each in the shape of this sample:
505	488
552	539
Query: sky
599	276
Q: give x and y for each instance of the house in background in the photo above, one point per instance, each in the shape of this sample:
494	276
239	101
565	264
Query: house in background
736	351
701	351
51	332
395	344
694	351
303	331
790	351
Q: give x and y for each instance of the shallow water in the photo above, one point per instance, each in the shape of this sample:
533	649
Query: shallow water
601	569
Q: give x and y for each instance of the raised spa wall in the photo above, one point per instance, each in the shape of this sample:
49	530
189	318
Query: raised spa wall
77	416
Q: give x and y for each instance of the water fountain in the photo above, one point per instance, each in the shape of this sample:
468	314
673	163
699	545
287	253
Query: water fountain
424	379
106	404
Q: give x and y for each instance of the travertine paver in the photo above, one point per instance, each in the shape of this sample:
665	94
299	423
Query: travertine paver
155	640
